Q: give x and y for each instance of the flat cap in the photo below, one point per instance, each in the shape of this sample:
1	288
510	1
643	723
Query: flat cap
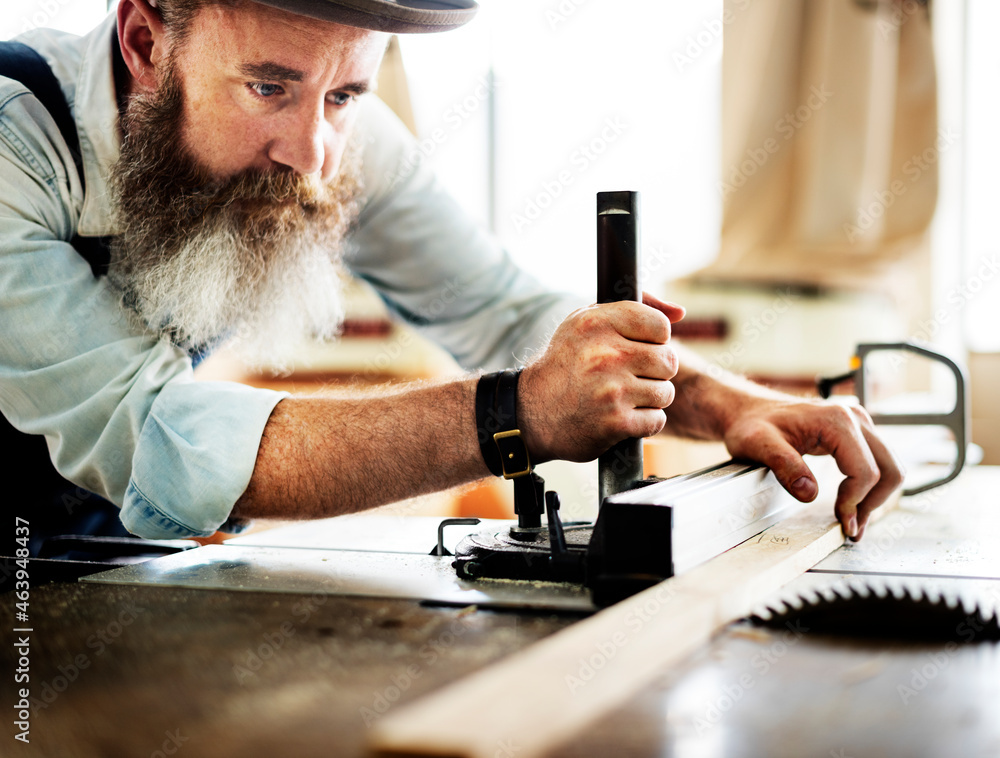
394	16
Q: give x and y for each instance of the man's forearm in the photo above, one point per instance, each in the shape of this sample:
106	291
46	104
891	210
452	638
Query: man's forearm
323	457
601	378
707	399
604	376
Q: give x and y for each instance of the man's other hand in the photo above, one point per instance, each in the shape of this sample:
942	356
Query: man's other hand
605	376
778	433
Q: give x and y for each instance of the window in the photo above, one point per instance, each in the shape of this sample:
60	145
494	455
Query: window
980	194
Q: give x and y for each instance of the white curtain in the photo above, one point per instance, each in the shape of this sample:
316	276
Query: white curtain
830	142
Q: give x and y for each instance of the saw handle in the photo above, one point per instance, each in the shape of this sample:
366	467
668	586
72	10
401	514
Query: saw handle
957	420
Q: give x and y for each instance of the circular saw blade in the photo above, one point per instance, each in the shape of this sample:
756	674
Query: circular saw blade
882	609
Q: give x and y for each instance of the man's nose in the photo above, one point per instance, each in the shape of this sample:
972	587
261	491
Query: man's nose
301	142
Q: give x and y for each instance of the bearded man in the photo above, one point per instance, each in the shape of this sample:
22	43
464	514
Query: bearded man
228	154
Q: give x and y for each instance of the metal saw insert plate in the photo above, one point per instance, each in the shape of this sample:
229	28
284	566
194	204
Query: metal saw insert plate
343	572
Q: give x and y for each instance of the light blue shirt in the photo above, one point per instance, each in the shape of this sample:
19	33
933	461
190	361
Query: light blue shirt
120	410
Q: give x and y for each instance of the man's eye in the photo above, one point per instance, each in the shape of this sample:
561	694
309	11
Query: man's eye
340	98
265	90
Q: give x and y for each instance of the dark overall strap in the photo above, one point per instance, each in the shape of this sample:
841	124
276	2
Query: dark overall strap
24	64
55	506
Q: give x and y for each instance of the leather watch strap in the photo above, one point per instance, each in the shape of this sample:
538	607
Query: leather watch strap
486	421
513	452
500	439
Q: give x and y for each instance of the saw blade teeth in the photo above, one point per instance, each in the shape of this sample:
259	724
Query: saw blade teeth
842	592
880	591
828	594
994	624
760	614
763	614
859	588
867	604
795	603
986	627
779	609
811	598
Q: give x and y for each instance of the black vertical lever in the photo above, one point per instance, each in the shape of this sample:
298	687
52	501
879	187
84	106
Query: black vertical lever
557	538
529	505
620	468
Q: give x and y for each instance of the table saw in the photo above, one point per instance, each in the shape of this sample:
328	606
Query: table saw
124	669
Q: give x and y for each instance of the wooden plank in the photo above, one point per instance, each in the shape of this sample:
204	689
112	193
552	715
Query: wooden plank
543	695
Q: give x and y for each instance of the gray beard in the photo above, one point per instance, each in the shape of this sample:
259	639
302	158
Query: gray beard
254	260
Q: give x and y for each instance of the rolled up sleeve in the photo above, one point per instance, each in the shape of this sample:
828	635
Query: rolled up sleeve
194	457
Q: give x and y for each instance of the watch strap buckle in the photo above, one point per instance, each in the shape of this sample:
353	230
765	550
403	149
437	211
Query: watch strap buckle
514	458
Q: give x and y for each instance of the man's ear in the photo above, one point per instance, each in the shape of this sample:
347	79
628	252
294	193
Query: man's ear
143	42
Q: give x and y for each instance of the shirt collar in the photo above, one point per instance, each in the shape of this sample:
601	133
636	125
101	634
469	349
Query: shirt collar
98	124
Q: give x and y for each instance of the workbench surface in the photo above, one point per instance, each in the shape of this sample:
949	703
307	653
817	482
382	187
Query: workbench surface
128	669
149	671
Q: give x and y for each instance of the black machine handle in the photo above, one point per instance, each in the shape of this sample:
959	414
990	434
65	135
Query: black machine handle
620	468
